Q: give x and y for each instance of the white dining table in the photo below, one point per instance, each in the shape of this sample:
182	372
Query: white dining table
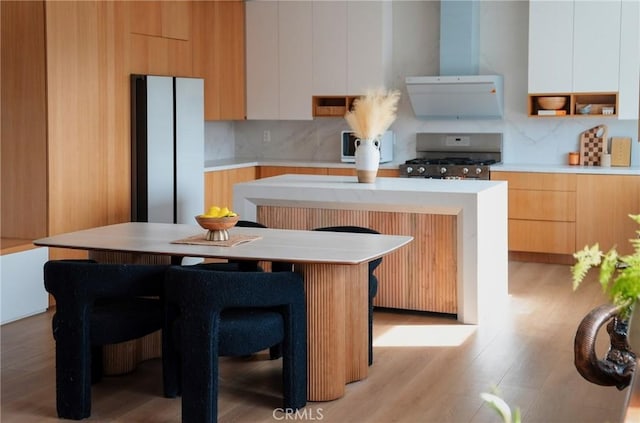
334	266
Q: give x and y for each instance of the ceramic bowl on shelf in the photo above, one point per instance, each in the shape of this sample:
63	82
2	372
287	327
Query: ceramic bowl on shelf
585	110
552	103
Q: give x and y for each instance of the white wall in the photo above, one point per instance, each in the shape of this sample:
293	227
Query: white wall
503	50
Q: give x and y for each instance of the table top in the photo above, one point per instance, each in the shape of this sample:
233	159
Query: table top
273	245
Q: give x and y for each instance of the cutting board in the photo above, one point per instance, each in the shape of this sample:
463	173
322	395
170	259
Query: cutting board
593	144
620	151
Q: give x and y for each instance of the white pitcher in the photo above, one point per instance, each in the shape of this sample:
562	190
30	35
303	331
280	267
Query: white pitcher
367	159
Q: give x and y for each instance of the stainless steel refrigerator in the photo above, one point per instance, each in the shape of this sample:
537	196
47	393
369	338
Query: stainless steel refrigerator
167	149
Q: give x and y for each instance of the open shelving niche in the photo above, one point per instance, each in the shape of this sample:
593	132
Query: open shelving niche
575	102
332	105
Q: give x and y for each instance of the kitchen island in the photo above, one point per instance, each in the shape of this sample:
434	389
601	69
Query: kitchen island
457	263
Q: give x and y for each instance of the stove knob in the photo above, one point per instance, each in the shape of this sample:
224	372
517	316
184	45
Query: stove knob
421	169
409	169
478	171
443	170
465	170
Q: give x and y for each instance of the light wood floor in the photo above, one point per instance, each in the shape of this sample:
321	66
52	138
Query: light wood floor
527	354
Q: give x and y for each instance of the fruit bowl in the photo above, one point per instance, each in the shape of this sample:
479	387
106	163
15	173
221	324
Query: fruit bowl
217	226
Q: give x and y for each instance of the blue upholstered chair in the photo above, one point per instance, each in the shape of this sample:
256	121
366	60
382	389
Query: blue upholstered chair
97	304
373	280
212	313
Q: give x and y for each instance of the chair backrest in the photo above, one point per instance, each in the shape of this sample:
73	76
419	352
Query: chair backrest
219	289
86	280
249	224
354	229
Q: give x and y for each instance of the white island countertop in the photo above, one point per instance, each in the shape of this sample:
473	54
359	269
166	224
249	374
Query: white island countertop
480	207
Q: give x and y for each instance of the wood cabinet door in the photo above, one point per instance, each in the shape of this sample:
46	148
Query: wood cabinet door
604	203
218	185
219	57
167	19
267	171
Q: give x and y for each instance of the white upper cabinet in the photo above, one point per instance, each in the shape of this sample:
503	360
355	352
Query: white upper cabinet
574	46
629	91
329	47
263	77
596	46
295	59
298	49
369	40
550	46
279	60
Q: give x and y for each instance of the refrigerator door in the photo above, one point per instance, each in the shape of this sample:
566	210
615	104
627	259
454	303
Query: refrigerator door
189	127
159	150
167	155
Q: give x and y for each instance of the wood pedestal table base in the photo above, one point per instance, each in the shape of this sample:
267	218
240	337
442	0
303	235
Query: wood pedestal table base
337	327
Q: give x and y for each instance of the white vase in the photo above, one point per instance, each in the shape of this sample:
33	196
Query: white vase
367	159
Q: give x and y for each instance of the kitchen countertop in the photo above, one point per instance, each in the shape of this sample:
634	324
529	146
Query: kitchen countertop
505	167
480	207
226	164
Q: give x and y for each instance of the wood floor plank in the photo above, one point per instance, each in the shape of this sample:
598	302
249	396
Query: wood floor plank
526	353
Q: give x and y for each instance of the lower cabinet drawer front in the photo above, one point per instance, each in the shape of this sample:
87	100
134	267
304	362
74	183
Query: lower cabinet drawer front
542	237
542	205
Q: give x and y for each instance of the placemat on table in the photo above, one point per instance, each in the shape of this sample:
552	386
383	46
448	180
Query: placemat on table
201	239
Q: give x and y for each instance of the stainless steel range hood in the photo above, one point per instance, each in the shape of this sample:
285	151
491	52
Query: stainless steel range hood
472	96
459	92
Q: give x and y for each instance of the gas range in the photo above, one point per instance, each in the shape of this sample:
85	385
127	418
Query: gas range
454	156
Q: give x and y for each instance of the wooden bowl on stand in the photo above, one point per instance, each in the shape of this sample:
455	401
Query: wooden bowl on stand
217	227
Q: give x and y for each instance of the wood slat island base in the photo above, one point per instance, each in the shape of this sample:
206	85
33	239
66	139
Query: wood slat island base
422	276
458	261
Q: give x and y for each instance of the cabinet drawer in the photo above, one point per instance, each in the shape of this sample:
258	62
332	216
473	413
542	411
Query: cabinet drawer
542	205
542	237
537	181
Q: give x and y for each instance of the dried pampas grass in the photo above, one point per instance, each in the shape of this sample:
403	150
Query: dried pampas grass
374	113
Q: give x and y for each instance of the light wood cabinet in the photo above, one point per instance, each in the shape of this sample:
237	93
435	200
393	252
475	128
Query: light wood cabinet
168	19
219	57
603	205
558	214
218	185
24	123
542	212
